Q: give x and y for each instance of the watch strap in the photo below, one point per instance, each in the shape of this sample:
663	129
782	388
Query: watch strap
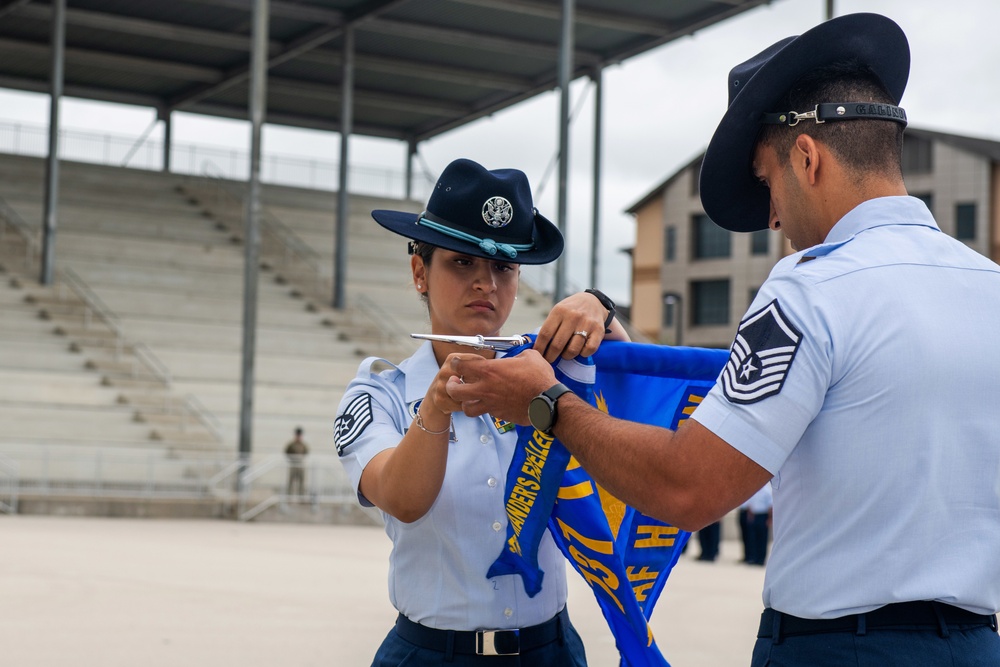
607	303
555	391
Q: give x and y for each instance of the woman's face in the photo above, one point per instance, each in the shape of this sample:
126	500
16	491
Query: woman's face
466	295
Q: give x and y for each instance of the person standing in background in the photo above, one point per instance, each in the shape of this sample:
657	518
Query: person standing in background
295	452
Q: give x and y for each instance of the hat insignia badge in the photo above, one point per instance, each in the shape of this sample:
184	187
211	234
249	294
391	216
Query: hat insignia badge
497	212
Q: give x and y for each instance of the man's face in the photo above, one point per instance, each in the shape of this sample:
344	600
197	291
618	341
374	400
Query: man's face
790	212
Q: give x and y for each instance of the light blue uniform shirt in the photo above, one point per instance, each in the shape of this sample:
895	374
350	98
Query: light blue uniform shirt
867	380
438	565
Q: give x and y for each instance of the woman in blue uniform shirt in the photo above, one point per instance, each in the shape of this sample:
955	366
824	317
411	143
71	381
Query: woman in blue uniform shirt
438	476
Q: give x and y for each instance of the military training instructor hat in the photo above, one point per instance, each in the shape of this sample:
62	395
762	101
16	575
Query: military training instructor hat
482	213
731	195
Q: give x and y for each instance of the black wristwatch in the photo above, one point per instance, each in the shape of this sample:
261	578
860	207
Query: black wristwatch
607	303
542	410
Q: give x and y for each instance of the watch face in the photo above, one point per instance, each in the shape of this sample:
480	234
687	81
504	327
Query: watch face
540	413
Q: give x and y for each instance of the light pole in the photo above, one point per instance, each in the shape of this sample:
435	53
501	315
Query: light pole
674	301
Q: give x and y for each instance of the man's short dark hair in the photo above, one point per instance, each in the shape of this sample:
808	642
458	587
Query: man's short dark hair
864	146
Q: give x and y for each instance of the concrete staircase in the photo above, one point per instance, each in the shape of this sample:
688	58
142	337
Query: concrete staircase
137	345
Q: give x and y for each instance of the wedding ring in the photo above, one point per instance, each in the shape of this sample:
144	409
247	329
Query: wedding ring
585	334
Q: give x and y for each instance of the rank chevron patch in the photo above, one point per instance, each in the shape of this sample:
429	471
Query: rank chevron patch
761	356
355	418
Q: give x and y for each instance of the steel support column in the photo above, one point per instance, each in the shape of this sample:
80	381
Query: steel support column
565	74
411	150
251	235
168	127
343	210
595	236
50	215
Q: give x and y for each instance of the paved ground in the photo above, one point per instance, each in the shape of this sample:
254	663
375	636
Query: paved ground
122	592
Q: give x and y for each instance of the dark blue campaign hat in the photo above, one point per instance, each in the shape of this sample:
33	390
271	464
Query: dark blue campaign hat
483	213
731	195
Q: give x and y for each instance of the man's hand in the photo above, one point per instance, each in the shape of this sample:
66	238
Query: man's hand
502	387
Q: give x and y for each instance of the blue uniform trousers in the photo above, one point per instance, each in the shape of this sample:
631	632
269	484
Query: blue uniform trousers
951	643
565	651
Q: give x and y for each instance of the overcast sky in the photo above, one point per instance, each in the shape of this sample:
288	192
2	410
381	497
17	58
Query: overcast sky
660	110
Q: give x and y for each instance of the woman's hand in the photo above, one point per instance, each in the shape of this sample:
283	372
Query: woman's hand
405	480
575	327
437	406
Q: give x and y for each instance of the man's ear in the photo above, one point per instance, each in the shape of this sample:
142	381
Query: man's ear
806	157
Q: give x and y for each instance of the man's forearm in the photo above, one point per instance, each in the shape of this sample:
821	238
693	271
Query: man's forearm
688	478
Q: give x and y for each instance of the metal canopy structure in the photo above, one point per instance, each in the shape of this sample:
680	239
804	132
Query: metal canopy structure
421	67
403	69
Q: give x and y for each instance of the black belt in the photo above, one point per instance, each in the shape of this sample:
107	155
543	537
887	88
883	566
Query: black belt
483	642
903	616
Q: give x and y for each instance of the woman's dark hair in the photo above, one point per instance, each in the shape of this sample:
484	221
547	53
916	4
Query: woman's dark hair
864	146
424	250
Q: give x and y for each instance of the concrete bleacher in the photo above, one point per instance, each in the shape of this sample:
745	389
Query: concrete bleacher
99	372
378	264
169	266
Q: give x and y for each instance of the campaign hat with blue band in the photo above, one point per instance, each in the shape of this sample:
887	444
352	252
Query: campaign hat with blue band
731	195
482	213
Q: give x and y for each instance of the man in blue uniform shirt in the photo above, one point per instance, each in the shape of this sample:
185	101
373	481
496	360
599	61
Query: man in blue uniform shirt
863	381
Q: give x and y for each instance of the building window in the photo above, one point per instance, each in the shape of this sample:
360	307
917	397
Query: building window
669	314
710	240
752	295
670	244
710	302
759	242
928	199
965	222
918	155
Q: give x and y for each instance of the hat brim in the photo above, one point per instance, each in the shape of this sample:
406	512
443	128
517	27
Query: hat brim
547	239
732	198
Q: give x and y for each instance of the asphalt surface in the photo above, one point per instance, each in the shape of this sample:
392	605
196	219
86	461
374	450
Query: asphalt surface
85	592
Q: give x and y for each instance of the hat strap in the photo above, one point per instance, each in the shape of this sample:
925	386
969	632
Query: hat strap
489	246
838	111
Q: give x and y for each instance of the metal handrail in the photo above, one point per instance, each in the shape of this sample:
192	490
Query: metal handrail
10	217
141	352
290	245
385	323
232	469
109	473
208	420
94	303
115	149
154	366
271	224
315	465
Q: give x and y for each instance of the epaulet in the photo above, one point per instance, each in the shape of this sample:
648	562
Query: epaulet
367	368
821	250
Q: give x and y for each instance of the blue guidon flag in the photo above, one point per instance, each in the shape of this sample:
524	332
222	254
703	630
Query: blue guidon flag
762	353
624	556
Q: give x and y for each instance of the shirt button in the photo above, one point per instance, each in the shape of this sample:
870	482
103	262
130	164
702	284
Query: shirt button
484	439
508	612
497	526
492	481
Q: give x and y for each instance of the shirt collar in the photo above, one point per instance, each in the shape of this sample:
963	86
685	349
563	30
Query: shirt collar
420	370
880	212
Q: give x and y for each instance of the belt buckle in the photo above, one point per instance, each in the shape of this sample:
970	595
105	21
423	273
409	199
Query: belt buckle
498	642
